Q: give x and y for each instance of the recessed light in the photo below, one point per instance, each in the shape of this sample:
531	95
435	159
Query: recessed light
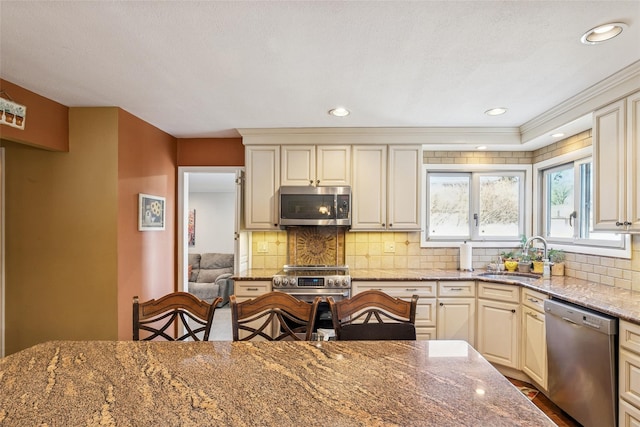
481	147
339	112
602	33
496	111
557	135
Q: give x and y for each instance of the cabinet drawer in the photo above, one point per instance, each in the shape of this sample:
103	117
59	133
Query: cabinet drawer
533	299
630	336
499	292
424	289
251	289
457	289
424	334
629	415
629	377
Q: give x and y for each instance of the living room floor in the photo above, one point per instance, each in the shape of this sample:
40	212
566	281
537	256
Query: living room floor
221	328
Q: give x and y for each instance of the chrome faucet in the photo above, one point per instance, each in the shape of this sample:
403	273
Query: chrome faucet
525	249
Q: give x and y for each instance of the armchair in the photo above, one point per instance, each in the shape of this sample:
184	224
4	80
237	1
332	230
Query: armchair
210	276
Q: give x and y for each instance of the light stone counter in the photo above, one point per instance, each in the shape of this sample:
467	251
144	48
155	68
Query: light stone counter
618	302
390	383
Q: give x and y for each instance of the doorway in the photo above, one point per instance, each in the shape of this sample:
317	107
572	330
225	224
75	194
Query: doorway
211	199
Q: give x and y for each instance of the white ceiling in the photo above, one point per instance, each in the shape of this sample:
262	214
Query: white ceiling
204	69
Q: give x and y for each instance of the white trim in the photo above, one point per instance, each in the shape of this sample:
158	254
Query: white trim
182	214
470	168
538	213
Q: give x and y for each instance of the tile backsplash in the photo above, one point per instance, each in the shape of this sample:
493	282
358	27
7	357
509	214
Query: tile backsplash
367	250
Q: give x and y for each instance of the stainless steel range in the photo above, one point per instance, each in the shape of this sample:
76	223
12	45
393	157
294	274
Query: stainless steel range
314	280
306	282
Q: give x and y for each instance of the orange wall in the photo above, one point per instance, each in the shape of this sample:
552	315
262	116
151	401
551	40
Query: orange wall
210	152
146	259
47	122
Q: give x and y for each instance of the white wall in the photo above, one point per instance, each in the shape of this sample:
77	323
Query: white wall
215	213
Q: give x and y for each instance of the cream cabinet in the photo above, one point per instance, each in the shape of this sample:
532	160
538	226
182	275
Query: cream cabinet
456	311
534	337
386	185
249	289
426	309
629	374
323	165
498	336
616	162
262	180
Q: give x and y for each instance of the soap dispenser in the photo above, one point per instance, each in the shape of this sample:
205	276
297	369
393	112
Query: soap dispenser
546	269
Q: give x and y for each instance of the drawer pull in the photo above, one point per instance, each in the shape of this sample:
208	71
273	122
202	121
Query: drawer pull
533	300
252	289
532	314
455	289
411	289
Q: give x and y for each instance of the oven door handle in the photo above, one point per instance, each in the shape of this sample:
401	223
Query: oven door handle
319	294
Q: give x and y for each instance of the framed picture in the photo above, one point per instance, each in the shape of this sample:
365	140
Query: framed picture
150	212
192	227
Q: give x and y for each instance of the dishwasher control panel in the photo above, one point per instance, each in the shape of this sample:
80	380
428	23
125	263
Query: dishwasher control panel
580	316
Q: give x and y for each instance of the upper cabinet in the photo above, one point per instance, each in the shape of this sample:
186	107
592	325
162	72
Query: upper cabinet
322	165
262	164
386	187
616	160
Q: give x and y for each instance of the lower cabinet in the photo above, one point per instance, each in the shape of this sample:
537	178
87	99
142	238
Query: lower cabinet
499	323
534	337
248	289
629	374
457	311
425	311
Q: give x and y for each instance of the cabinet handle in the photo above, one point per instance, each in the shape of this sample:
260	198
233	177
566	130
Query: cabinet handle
390	225
532	314
311	182
455	289
317	181
252	289
441	304
411	289
627	223
533	300
383	224
618	223
513	310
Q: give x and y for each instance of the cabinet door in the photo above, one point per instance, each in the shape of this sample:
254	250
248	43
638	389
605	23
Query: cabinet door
333	165
499	332
369	187
456	319
298	165
261	186
534	347
633	161
609	166
404	187
629	415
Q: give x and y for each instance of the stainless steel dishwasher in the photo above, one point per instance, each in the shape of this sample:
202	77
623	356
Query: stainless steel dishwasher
581	352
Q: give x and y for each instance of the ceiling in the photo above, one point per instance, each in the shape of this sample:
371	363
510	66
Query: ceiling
205	69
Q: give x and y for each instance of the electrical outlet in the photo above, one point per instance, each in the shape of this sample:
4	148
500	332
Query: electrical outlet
263	247
389	247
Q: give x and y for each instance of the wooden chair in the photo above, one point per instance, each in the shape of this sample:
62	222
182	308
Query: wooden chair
274	313
374	315
156	316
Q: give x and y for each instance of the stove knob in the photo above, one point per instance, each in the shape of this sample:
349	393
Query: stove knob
292	281
331	283
345	283
276	282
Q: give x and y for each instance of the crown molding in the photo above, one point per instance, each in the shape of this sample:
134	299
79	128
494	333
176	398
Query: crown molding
380	136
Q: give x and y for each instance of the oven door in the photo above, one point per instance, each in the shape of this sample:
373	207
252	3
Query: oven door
323	316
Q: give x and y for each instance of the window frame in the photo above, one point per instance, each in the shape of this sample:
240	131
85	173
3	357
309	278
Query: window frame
572	245
476	169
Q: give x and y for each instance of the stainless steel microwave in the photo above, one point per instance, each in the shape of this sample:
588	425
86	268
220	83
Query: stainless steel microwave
306	205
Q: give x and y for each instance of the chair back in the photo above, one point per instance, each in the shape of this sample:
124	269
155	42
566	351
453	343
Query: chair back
162	316
374	315
273	316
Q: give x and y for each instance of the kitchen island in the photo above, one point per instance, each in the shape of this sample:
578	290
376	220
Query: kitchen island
403	383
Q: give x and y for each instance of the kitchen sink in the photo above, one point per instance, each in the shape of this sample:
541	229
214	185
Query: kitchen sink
508	275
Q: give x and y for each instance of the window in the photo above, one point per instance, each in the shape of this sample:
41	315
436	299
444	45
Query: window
475	205
567	203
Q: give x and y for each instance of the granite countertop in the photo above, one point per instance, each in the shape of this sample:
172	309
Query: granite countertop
355	383
618	302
